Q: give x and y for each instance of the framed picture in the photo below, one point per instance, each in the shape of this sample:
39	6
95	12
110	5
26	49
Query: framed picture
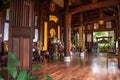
89	37
89	27
96	25
108	25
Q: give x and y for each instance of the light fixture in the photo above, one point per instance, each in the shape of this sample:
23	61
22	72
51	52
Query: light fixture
101	22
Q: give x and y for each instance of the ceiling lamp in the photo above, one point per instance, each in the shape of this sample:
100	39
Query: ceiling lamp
101	22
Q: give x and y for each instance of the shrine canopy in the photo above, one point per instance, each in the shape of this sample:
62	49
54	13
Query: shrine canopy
103	41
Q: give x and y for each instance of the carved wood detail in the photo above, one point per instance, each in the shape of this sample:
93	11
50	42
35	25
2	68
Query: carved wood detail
101	4
21	32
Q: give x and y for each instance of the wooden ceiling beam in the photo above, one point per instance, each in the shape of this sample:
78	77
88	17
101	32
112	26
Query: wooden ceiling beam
94	1
104	19
96	5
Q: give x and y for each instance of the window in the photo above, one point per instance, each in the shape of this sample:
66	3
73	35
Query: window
108	25
6	31
36	36
96	25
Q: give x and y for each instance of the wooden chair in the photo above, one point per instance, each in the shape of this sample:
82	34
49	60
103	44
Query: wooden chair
113	56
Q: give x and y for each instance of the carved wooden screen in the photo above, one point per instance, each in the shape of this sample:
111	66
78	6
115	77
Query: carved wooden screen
21	30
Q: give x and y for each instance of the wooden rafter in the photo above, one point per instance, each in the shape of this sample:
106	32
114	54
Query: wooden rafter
101	4
105	19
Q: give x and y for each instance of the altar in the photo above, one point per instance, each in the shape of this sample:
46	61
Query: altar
53	48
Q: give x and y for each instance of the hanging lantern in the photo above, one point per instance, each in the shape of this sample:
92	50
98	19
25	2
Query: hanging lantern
101	22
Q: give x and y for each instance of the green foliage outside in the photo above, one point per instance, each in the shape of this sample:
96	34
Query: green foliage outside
105	46
21	74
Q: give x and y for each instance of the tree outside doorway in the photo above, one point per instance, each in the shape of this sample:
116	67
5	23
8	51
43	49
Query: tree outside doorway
104	44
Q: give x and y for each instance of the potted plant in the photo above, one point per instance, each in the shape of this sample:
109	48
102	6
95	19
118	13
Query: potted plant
16	73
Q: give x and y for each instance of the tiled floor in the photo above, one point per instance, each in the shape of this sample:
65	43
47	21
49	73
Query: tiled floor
92	67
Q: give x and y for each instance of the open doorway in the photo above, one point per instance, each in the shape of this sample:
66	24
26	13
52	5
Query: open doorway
103	41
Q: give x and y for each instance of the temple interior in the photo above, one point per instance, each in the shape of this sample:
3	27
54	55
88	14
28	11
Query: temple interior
69	39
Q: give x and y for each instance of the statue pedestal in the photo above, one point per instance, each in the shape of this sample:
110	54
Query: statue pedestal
67	59
55	52
55	57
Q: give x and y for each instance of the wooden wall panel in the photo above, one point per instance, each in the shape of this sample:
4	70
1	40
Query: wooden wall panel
16	46
25	45
21	30
1	29
0	34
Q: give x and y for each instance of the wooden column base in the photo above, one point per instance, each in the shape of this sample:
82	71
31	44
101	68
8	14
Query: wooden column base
67	59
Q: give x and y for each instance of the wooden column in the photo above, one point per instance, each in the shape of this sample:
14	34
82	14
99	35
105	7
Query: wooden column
81	32
41	22
67	28
1	29
68	36
116	30
21	30
118	34
101	13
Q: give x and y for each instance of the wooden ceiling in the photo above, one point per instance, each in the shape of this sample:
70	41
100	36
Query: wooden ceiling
76	3
85	11
59	2
93	11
